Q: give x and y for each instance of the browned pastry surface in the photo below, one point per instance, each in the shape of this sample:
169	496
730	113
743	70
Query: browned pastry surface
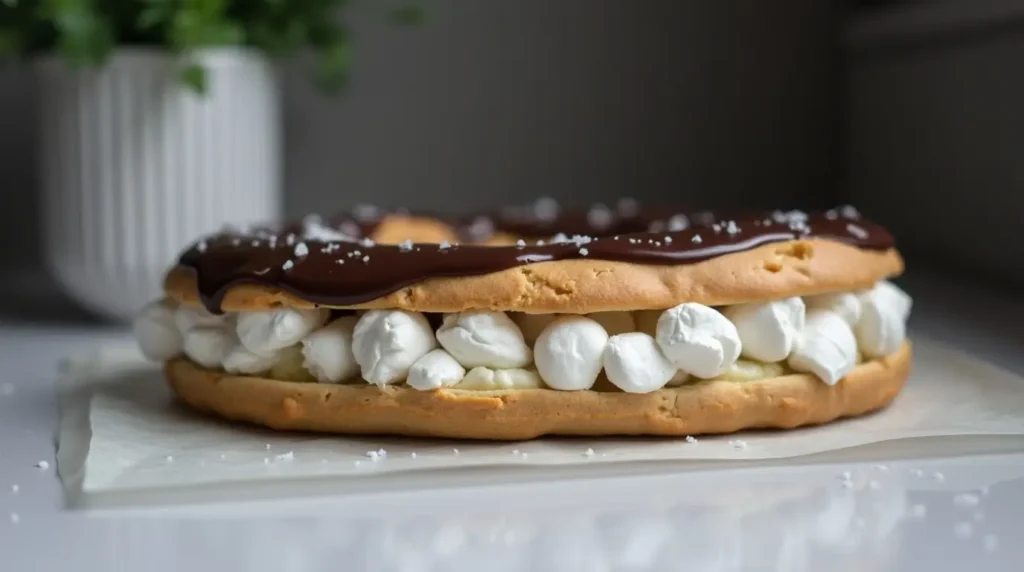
704	407
771	271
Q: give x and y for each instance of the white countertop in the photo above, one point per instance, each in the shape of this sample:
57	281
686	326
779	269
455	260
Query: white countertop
904	511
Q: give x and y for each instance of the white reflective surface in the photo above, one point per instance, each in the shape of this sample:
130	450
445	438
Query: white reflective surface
955	513
952	514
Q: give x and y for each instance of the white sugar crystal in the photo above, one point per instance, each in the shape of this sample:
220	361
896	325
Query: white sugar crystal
857	231
43	465
966	500
288	265
521	243
301	249
290	455
691	439
445	245
696	239
584	252
405	245
588	453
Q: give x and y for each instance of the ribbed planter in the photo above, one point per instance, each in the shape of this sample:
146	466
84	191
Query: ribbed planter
134	166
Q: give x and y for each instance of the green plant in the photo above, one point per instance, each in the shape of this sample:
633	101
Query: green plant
85	32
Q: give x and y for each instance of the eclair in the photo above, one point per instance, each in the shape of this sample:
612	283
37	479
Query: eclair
537	321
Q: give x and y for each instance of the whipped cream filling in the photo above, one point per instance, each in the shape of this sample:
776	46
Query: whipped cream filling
825	335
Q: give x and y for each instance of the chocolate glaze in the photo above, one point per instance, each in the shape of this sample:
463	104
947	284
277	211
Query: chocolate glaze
344	271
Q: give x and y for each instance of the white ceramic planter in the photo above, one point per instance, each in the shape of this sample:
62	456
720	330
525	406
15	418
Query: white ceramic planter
134	166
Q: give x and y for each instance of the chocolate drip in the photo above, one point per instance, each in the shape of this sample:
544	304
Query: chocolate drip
337	272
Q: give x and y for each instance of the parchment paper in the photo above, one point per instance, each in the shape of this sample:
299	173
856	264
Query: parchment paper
121	431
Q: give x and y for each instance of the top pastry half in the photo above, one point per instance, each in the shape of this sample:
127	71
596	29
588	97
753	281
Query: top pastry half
535	260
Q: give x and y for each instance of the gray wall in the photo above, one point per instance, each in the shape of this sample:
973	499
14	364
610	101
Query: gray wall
729	102
936	134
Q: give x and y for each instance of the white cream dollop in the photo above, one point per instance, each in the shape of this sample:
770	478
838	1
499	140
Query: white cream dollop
266	332
188	317
698	340
482	338
327	352
156	333
615	323
208	345
634	363
531	325
826	347
487	379
883	322
240	360
846	304
386	343
435	370
768	330
569	353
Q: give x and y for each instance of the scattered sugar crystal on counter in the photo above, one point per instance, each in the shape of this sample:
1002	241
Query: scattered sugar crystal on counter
738	444
357	463
169	459
455	452
691	439
223	456
301	249
267	446
288	265
43	465
290	455
588	453
515	451
963	529
524	456
584	252
990	542
413	454
966	500
846	475
918	511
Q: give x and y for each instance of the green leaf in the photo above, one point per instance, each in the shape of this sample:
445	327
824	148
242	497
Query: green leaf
195	77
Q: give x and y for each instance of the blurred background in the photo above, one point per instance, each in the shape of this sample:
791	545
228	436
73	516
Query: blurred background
908	110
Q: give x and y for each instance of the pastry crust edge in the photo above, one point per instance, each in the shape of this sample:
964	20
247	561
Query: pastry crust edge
581	286
706	407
